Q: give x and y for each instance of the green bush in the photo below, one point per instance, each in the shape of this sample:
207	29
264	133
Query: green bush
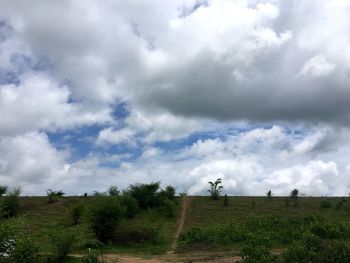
113	190
325	204
91	257
3	190
315	250
140	234
53	196
10	206
62	240
26	251
75	213
16	246
168	208
168	192
256	249
130	204
225	200
103	217
146	195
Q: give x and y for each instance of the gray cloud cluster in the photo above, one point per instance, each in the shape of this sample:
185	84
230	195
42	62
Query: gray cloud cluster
182	67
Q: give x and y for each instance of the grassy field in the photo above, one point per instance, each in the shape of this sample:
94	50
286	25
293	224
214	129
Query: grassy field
209	224
280	224
40	218
206	212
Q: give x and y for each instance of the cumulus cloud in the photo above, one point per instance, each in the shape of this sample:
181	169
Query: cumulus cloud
29	161
223	60
190	72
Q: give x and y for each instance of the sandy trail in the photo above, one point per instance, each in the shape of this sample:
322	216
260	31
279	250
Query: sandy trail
184	208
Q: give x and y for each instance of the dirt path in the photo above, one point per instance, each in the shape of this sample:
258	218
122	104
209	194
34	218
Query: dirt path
184	208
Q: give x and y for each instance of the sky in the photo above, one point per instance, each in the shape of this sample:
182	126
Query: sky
256	92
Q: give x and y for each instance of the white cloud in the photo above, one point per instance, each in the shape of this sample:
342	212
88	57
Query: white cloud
182	70
316	66
29	161
40	103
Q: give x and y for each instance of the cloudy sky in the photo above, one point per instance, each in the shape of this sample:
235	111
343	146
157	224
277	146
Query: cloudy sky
256	92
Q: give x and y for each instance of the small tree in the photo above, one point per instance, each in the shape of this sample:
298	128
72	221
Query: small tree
168	192
113	190
103	217
53	195
215	189
269	195
3	190
10	206
294	196
225	200
146	195
294	193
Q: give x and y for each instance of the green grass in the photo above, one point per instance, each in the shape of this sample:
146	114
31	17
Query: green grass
212	225
207	212
41	217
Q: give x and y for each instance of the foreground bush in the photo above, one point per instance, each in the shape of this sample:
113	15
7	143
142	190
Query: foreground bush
256	249
3	190
104	215
75	213
92	257
16	246
315	250
140	234
62	240
130	205
10	206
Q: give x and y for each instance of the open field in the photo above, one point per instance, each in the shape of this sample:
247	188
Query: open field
221	232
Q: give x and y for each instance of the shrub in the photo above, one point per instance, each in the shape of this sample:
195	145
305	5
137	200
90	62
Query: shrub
10	206
168	208
16	246
256	249
92	257
315	250
75	213
62	241
113	190
294	193
225	200
3	190
269	195
325	204
141	234
53	195
145	194
130	204
168	192
26	251
104	215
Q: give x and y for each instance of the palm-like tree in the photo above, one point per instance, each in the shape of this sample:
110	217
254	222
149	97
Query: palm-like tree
215	189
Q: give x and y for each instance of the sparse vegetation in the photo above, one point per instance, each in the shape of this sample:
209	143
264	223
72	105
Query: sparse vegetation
3	190
75	224
53	196
10	206
104	215
269	195
113	190
225	200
